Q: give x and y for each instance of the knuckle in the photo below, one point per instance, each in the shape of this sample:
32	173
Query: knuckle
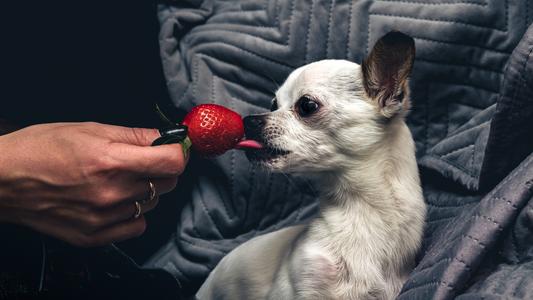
91	223
138	228
105	160
106	199
173	183
140	136
99	162
166	185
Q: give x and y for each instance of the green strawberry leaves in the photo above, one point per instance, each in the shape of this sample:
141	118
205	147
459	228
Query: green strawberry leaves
172	134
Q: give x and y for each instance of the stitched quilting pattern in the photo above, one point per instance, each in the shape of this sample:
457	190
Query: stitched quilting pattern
460	155
476	227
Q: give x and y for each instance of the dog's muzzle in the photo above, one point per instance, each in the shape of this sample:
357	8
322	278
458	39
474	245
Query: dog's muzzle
254	126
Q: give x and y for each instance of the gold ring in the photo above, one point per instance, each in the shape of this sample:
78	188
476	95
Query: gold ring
151	195
137	210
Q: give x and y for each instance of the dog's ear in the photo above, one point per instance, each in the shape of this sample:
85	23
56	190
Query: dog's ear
386	69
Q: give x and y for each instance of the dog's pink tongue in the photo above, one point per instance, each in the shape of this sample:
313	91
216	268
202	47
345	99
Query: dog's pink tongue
248	145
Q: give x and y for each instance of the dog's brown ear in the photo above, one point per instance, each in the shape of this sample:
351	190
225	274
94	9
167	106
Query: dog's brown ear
386	69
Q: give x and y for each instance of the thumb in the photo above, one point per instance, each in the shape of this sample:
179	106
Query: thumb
161	161
131	136
143	136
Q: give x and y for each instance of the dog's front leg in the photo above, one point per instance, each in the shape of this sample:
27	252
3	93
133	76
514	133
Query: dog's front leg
249	271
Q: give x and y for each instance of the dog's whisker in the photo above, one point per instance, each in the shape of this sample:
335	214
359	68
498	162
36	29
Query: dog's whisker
310	186
266	174
275	82
289	179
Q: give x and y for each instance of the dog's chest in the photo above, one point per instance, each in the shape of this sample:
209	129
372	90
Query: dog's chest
317	273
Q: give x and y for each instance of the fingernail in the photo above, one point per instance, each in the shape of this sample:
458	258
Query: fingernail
179	130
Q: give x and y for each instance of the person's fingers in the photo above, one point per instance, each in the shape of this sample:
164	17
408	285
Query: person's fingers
95	227
159	186
118	231
104	220
141	189
126	135
141	136
131	148
127	211
114	233
153	162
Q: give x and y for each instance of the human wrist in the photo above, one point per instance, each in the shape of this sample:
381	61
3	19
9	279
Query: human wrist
7	212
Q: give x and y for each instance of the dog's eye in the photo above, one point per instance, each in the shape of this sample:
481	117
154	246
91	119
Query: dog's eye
274	105
307	106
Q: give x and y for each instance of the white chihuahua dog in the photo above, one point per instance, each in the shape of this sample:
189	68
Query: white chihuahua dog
342	124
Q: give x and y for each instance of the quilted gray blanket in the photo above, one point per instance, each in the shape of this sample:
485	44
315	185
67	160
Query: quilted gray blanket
472	120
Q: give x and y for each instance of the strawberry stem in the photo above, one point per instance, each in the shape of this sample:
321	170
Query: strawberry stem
162	116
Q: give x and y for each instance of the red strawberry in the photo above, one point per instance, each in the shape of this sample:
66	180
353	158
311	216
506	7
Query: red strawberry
213	129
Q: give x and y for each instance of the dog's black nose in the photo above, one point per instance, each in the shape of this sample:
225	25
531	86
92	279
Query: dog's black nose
253	126
253	122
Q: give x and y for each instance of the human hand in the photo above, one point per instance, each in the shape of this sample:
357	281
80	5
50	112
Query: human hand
79	181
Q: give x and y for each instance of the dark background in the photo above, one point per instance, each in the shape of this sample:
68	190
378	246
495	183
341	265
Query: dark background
86	61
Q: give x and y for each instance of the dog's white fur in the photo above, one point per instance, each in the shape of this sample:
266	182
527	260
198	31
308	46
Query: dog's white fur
363	242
